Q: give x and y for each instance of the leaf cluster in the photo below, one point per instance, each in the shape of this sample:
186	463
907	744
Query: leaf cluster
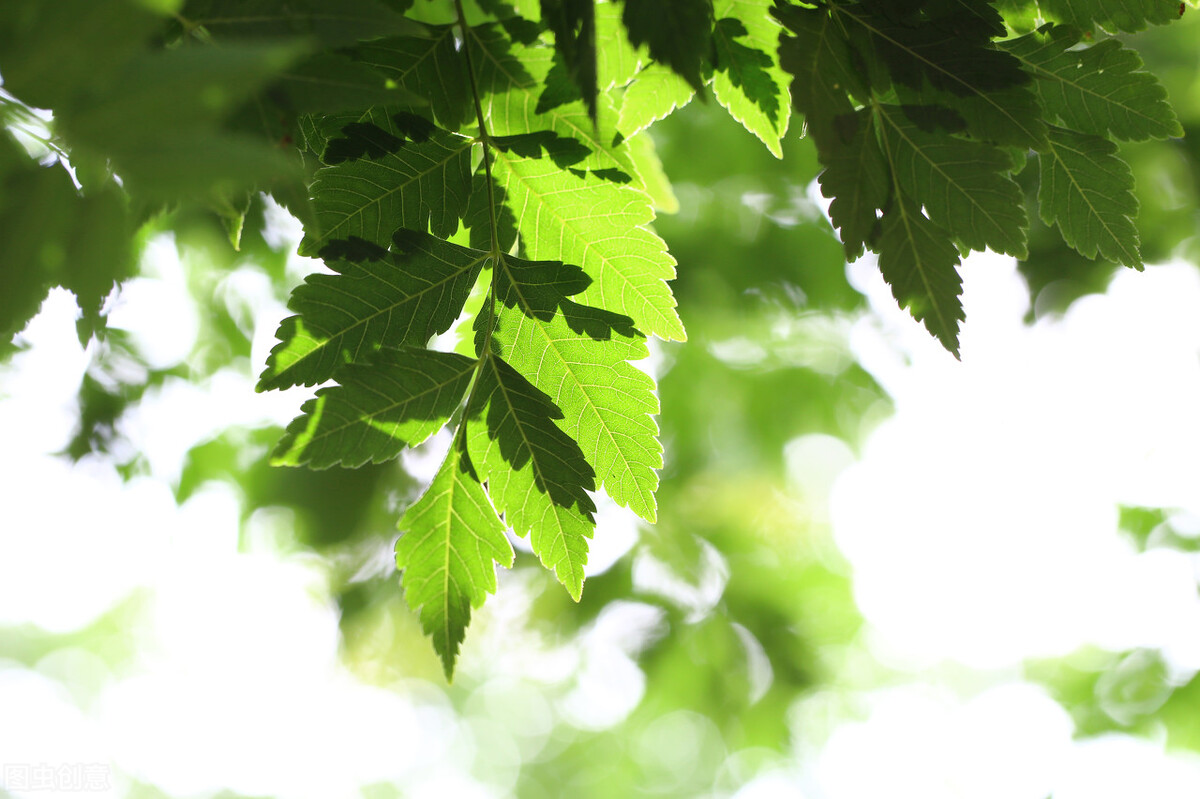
923	114
477	177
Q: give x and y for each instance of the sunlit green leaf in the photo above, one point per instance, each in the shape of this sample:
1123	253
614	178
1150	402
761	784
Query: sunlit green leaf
536	475
747	78
580	357
600	226
450	542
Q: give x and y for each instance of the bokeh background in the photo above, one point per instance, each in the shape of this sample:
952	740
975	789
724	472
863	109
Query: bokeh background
877	572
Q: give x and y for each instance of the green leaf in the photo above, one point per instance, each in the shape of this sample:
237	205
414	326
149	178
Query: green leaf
1087	190
377	299
397	398
655	93
1005	117
1112	15
450	540
536	474
331	82
747	78
650	170
390	176
54	52
579	356
856	178
430	67
617	61
343	23
825	71
598	225
964	185
574	26
677	33
54	236
918	260
952	51
1099	89
512	79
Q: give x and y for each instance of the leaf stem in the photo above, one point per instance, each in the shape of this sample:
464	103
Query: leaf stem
484	140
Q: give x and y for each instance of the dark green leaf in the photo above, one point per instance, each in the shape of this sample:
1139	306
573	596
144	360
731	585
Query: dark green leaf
429	67
387	180
1112	15
1099	89
856	178
395	399
1087	190
963	185
379	298
333	24
574	26
677	32
918	260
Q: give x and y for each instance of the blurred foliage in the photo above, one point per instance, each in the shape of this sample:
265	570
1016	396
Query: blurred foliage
762	603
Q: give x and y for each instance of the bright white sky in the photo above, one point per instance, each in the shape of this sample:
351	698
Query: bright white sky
980	524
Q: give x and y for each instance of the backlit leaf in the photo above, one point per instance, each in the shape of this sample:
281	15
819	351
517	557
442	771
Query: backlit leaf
450	540
379	298
1099	89
1087	190
397	398
536	474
